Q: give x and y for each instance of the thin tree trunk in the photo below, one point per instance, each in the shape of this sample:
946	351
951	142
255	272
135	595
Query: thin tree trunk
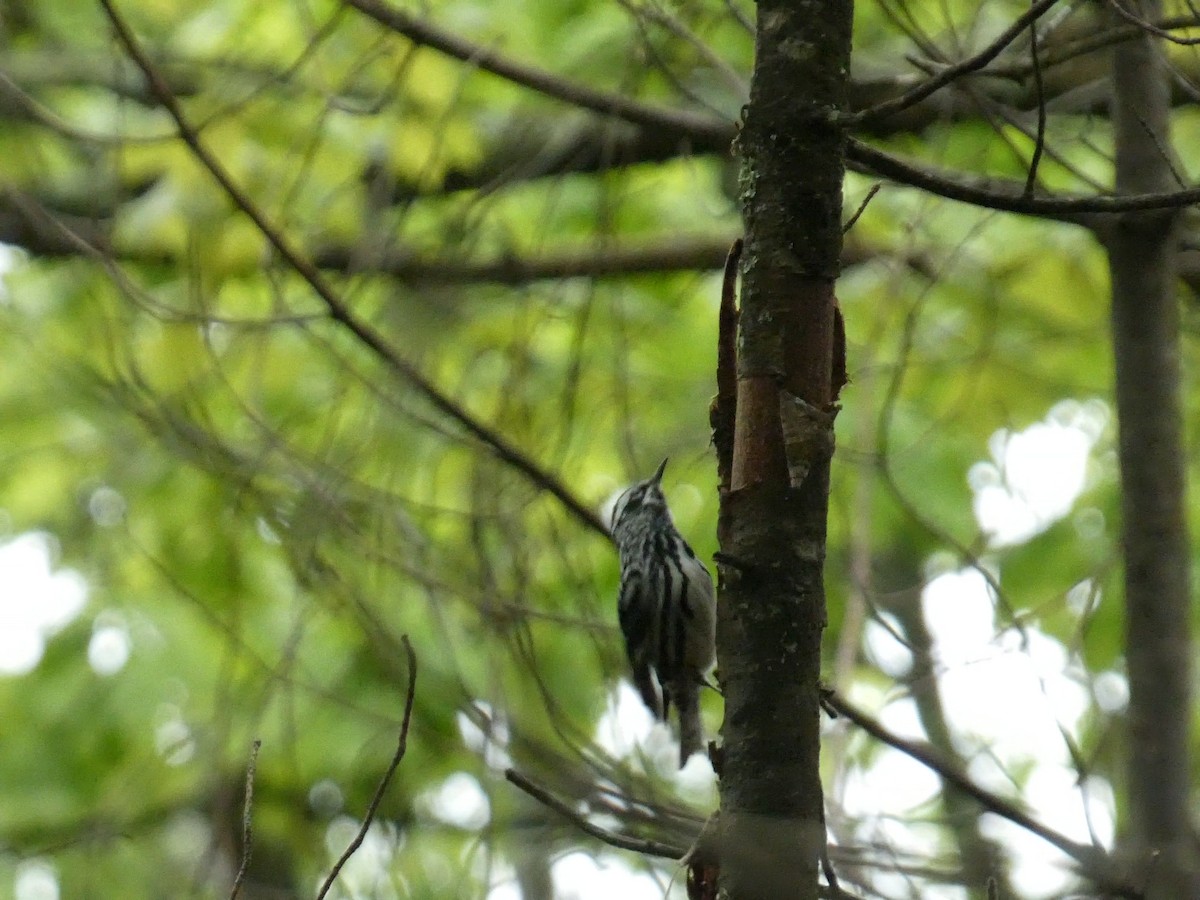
1145	322
773	511
980	858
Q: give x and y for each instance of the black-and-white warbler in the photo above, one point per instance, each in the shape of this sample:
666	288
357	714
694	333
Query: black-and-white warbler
667	609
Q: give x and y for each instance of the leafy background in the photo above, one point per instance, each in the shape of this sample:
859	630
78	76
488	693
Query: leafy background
260	507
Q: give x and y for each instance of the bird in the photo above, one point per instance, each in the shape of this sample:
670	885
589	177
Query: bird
666	607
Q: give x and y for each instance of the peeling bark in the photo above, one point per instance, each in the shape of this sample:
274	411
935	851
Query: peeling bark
772	527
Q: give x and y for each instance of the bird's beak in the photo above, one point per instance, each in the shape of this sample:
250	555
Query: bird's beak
658	473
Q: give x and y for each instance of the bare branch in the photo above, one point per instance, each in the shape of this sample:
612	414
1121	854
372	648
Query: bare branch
659	16
646	846
338	310
1007	196
1039	144
547	83
401	747
247	830
675	254
862	207
26	222
43	235
1093	861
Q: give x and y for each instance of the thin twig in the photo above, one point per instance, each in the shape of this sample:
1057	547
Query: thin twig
862	207
247	830
339	311
1164	152
1040	89
831	878
401	747
993	110
950	73
646	846
679	29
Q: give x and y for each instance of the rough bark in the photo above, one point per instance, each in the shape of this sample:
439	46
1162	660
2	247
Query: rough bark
772	526
1145	323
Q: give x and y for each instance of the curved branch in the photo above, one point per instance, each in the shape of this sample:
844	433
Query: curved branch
1076	210
401	748
247	823
338	310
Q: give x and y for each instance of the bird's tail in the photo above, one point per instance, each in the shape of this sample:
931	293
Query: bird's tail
691	733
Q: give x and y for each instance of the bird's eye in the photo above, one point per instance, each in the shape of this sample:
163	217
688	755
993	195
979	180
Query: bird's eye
623	503
631	501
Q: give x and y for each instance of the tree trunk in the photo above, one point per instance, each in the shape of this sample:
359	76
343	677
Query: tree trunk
790	368
1145	322
980	858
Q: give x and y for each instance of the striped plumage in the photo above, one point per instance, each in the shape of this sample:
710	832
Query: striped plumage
667	609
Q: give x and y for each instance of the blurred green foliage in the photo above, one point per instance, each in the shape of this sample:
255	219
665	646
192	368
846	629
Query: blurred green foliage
264	507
